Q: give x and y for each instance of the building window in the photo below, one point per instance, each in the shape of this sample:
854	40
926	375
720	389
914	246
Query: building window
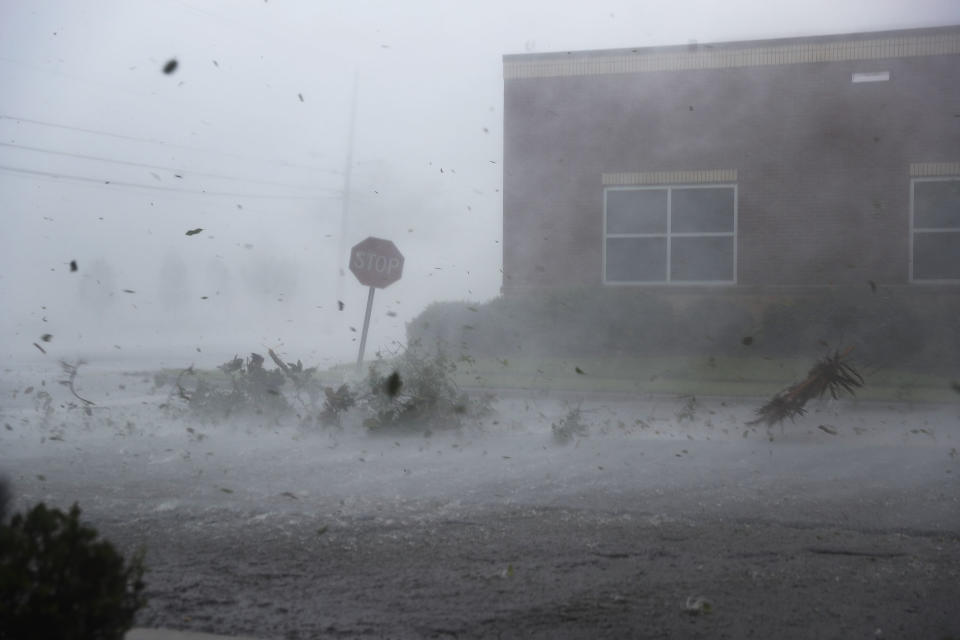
670	234
935	230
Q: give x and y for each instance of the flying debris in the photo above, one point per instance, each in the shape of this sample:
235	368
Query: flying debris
873	286
580	371
340	304
46	337
71	371
831	374
129	291
300	95
393	384
73	266
216	64
42	350
194	232
171	66
747	341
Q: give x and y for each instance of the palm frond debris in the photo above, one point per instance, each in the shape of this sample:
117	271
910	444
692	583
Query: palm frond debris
831	374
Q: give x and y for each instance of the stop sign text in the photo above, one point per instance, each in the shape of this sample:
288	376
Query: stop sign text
376	262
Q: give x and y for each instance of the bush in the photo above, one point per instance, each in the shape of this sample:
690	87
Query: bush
251	388
417	390
57	580
905	327
884	330
568	322
570	426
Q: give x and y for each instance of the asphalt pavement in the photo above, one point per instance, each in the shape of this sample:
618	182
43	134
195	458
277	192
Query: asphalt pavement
170	634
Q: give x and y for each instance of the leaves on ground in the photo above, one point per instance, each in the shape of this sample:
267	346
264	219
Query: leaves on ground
698	606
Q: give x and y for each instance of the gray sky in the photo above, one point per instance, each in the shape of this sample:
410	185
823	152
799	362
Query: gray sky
106	160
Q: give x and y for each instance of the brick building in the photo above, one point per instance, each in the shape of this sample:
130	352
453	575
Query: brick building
751	166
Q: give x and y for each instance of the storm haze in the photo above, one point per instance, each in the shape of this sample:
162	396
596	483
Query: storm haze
674	351
108	161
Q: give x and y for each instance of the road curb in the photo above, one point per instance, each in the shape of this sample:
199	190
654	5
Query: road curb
171	634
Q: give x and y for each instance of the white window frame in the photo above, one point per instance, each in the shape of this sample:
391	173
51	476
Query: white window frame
670	234
914	230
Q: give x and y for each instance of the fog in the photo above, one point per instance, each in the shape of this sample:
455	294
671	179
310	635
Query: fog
181	183
108	161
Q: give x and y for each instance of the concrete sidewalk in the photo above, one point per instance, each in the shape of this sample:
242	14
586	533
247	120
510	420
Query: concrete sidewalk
170	634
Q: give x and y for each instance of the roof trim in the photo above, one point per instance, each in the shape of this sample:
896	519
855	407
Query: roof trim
702	176
934	169
746	54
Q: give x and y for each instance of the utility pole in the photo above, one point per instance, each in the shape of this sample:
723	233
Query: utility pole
345	215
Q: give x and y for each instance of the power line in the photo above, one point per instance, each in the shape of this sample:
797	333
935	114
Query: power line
42	123
145	165
112	183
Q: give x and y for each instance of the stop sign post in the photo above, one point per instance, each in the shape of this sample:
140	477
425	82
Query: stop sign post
377	263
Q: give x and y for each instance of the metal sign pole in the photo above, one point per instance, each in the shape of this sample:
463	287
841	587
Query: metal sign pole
366	325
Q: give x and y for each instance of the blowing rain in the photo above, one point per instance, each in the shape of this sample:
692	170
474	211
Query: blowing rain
524	320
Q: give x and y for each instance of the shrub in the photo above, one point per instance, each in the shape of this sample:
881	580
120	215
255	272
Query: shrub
335	404
565	322
569	427
57	580
251	388
889	326
417	390
883	329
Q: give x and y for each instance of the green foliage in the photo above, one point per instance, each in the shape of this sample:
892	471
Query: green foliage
886	329
416	389
250	388
890	326
57	580
335	404
570	426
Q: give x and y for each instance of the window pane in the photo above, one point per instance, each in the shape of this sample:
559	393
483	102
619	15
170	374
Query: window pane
702	210
936	205
636	259
936	256
637	211
701	259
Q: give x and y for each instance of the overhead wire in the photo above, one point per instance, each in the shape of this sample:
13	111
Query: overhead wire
130	163
281	163
115	183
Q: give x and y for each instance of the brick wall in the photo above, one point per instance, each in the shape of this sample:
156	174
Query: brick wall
822	163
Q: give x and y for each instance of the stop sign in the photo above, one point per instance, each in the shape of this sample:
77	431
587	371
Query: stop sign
376	262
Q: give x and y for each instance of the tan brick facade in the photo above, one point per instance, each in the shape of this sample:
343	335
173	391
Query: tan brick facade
822	164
